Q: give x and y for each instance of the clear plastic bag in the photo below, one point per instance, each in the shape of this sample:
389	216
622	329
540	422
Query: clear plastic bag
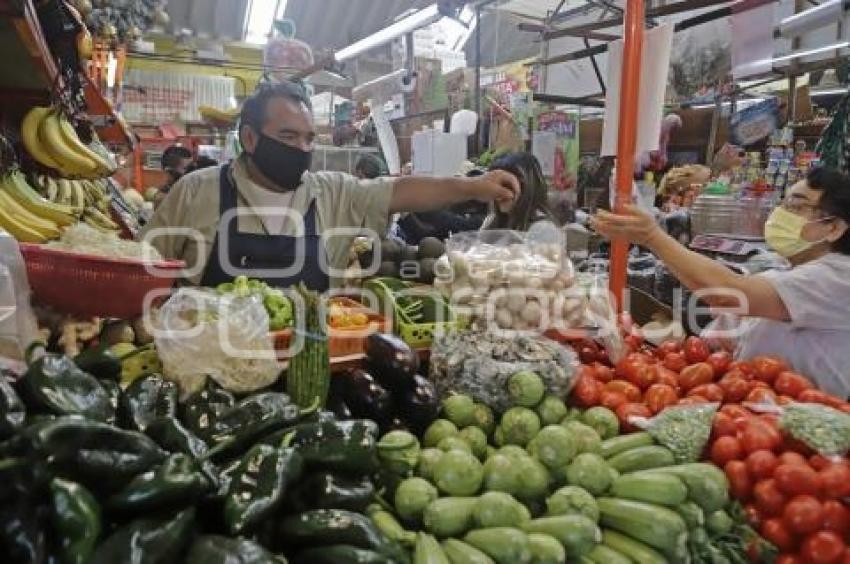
479	363
823	429
511	280
18	326
684	429
199	333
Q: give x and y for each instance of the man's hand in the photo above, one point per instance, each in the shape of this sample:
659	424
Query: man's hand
497	186
634	225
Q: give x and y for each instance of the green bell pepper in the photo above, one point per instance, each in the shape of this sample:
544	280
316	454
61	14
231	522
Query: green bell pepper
53	383
237	428
76	521
201	410
12	410
177	482
148	540
147	398
215	549
258	485
346	446
327	490
95	454
100	363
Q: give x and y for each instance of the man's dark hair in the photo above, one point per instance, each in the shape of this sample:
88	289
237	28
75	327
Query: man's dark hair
172	156
369	166
834	200
254	108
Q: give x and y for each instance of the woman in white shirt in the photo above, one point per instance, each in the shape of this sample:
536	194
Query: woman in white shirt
802	314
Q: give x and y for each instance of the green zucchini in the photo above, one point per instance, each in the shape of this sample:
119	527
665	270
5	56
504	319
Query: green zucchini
602	554
633	549
577	533
661	489
692	514
707	484
460	552
641	458
622	443
657	526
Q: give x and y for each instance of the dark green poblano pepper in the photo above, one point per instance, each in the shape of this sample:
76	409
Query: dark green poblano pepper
12	410
22	531
216	549
146	399
100	363
201	410
344	446
53	383
328	490
148	540
97	455
258	485
112	388
237	428
173	436
177	482
76	521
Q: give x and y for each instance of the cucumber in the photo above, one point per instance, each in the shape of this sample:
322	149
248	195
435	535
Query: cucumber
602	554
657	526
460	552
642	458
661	489
428	551
631	548
616	445
505	545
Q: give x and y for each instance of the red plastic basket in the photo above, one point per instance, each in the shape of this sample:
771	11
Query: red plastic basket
91	285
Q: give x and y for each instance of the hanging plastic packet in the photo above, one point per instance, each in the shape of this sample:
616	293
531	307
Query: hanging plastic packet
602	315
823	429
684	429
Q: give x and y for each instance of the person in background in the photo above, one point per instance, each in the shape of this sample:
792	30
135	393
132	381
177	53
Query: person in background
175	161
265	211
367	167
202	162
533	202
801	315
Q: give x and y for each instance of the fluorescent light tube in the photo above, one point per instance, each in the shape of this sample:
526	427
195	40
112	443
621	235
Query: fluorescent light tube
423	17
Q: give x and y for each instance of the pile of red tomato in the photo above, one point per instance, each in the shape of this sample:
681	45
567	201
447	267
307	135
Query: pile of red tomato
793	497
645	382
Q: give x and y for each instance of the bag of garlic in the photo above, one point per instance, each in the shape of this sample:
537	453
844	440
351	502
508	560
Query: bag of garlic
512	280
479	363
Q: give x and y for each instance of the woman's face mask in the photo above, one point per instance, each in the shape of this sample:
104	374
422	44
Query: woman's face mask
783	232
281	163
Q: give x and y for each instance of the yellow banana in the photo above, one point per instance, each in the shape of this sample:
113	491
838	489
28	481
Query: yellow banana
24	194
96	218
69	135
52	188
78	197
18	230
71	162
42	225
29	136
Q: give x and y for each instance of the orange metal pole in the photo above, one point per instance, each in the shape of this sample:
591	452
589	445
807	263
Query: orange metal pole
633	23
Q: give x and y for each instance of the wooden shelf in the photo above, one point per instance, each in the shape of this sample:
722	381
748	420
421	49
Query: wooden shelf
22	39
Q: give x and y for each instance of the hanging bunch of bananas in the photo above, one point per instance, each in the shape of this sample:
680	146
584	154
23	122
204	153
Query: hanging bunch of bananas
90	197
50	139
29	217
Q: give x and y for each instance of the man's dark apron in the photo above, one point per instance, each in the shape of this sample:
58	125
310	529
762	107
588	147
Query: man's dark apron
251	251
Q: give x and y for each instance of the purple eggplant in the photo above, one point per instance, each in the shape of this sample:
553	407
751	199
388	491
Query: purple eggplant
365	397
392	361
419	406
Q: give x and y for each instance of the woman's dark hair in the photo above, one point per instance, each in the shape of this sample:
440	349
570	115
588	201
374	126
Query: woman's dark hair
172	156
834	200
368	166
533	201
254	108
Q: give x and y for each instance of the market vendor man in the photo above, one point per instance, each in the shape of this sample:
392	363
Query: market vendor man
801	315
279	210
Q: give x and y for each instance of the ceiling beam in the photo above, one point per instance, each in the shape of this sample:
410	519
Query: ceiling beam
666	10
